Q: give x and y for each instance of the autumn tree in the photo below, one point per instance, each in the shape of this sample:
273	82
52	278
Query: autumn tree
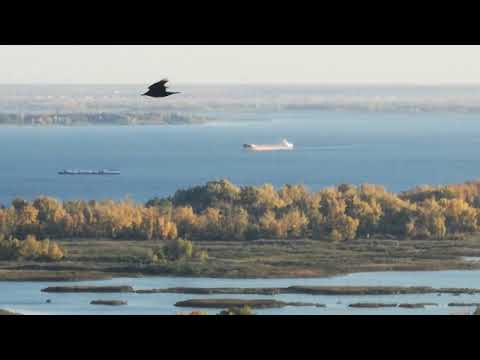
459	216
293	224
212	194
234	224
269	226
258	200
186	220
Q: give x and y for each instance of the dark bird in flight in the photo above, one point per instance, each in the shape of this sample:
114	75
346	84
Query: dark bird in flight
159	89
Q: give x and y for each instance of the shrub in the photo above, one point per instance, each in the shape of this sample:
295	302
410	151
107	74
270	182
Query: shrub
245	310
178	249
195	312
200	255
30	249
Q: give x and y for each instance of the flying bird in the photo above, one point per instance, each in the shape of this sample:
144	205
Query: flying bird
159	89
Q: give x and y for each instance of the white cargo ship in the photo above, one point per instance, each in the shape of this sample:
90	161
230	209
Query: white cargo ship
284	145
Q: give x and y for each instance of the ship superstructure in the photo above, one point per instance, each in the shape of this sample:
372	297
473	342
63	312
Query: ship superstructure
284	145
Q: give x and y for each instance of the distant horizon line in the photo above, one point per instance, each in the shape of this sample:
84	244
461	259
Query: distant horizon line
372	84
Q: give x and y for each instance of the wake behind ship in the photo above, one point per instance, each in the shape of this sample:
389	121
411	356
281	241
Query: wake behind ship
284	145
89	172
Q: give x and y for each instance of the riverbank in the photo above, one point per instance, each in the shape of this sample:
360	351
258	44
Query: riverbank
106	259
6	312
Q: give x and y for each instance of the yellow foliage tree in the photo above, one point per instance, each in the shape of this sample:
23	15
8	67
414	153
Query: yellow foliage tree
294	224
55	252
30	247
269	226
186	220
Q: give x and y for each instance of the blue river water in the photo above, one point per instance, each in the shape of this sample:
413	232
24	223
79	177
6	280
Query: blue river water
398	150
27	298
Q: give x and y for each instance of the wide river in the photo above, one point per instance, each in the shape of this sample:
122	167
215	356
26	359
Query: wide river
26	297
398	150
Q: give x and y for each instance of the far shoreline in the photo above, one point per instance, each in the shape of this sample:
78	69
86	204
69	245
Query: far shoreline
104	125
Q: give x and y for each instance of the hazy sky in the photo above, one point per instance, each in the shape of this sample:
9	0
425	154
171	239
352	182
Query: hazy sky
245	64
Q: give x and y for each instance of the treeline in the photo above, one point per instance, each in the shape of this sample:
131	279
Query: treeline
164	118
219	210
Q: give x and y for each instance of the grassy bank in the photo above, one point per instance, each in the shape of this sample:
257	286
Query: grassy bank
98	259
6	312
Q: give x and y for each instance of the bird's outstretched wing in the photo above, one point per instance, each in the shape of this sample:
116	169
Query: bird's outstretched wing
161	84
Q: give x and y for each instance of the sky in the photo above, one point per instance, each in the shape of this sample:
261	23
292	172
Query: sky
258	64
